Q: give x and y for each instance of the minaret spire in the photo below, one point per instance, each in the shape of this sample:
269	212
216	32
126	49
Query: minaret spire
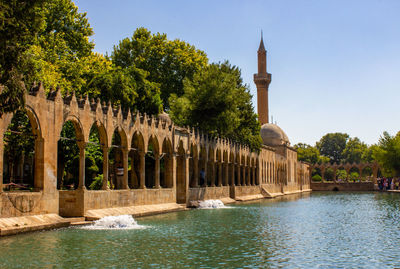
262	80
261	47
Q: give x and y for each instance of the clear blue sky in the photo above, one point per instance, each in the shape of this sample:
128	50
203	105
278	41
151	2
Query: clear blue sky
335	64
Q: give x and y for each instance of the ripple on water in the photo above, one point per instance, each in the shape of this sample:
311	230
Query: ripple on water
326	230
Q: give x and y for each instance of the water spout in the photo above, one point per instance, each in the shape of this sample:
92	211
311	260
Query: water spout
115	223
211	204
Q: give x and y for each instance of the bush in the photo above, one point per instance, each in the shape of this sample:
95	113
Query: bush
97	183
316	177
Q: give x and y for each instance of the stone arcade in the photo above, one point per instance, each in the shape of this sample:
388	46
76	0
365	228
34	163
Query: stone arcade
232	171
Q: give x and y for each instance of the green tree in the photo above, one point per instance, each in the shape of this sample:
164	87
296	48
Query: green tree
307	153
387	154
332	146
168	62
217	102
58	56
354	151
20	22
19	142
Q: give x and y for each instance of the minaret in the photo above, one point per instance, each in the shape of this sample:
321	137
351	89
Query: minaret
262	80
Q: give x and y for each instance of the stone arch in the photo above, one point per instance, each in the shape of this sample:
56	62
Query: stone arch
71	142
193	166
248	171
22	166
341	173
354	173
211	167
316	174
232	169
79	130
152	163
123	135
225	171
118	149
181	182
367	172
166	164
238	169
102	132
96	169
218	167
203	156
137	155
34	121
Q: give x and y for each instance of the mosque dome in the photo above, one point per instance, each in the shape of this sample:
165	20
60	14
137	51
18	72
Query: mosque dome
165	117
272	135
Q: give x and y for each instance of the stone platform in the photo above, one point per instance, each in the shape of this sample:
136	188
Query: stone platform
135	211
16	225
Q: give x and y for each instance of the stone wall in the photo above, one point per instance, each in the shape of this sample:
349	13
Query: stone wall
77	202
15	204
345	186
247	190
208	193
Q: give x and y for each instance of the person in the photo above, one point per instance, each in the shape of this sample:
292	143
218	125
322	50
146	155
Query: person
202	177
392	184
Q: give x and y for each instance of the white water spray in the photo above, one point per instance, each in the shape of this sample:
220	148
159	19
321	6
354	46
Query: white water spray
211	204
115	222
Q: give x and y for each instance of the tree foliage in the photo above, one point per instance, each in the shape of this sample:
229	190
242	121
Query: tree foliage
355	151
387	153
168	62
216	101
307	153
332	145
20	21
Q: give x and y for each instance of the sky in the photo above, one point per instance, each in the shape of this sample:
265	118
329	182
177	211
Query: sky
335	65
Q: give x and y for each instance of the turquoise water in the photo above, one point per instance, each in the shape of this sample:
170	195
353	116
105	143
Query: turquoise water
321	230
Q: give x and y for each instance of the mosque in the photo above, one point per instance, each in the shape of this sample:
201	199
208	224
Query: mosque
160	163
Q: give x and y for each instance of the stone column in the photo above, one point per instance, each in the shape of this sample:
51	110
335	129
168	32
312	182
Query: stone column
157	171
174	172
81	146
239	174
244	175
196	172
254	176
1	162
125	158
133	173
40	165
219	174
226	177
232	174
142	170
213	174
248	173
105	169
205	162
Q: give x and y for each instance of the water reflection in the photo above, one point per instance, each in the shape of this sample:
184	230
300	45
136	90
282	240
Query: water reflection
296	231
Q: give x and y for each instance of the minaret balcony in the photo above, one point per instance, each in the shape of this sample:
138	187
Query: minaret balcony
262	78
